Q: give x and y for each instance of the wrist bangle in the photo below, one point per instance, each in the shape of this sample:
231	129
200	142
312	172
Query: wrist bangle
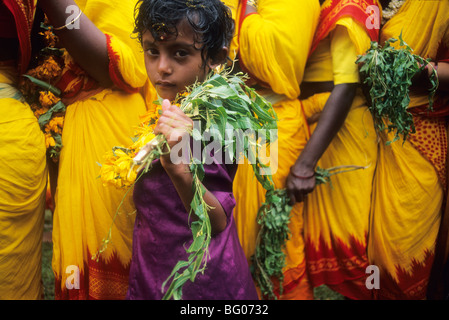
301	177
71	22
252	3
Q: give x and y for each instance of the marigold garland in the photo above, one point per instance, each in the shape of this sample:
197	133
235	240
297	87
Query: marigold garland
37	87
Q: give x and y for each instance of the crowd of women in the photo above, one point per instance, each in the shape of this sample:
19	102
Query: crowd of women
299	55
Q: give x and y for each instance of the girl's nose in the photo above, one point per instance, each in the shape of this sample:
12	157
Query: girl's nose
164	66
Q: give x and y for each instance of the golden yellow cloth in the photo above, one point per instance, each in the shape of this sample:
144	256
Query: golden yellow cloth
333	59
84	207
269	46
337	215
408	195
23	181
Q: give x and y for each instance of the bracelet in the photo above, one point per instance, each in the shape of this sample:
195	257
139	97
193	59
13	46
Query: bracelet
71	22
301	177
252	3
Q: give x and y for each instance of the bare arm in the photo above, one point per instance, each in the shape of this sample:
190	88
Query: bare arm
173	123
330	122
420	82
443	76
86	44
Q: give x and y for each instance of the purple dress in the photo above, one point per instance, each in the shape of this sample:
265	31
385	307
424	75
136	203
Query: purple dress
161	234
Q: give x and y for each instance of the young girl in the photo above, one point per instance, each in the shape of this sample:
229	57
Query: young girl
182	41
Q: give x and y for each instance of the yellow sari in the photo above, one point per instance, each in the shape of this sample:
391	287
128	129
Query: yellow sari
269	46
336	215
23	182
411	178
93	125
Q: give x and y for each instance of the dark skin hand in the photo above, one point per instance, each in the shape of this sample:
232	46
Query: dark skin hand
331	119
86	39
420	82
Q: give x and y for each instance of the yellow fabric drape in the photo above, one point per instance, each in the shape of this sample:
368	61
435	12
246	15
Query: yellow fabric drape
84	207
23	182
269	46
337	214
408	195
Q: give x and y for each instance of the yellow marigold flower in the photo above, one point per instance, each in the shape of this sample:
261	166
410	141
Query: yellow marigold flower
47	99
124	164
49	140
108	174
142	141
132	176
119	153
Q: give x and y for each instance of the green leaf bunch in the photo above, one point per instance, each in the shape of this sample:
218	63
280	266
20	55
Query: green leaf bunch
268	260
388	72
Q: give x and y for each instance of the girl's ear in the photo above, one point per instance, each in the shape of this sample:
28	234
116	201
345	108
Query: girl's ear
220	58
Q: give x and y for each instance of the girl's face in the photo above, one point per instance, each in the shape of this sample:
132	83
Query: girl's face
172	63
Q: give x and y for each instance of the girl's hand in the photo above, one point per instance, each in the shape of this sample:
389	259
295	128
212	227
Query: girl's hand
300	182
175	126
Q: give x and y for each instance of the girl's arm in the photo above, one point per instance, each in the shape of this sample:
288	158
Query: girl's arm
86	44
301	180
174	125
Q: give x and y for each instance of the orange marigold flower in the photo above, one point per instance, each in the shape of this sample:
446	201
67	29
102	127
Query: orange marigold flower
49	140
49	37
40	111
55	125
49	69
47	99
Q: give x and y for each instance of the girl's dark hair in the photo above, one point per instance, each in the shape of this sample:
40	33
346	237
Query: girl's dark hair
211	21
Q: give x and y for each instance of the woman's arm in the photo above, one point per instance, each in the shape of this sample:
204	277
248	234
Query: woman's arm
86	44
174	125
301	179
443	75
421	84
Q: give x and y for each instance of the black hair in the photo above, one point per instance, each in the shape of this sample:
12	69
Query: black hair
211	20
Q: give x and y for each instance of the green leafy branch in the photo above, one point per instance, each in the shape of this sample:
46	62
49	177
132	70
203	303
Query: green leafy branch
273	217
388	74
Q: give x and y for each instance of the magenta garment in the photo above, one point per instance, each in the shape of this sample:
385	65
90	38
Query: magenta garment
161	234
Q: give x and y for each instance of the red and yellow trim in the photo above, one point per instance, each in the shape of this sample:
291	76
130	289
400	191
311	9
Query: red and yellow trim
333	10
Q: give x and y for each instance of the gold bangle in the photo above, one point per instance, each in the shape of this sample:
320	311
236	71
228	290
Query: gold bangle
252	3
71	22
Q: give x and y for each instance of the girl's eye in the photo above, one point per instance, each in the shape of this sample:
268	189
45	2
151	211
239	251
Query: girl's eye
181	54
151	51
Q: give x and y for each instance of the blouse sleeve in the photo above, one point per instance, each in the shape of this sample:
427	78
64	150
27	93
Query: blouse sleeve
343	53
348	40
218	180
